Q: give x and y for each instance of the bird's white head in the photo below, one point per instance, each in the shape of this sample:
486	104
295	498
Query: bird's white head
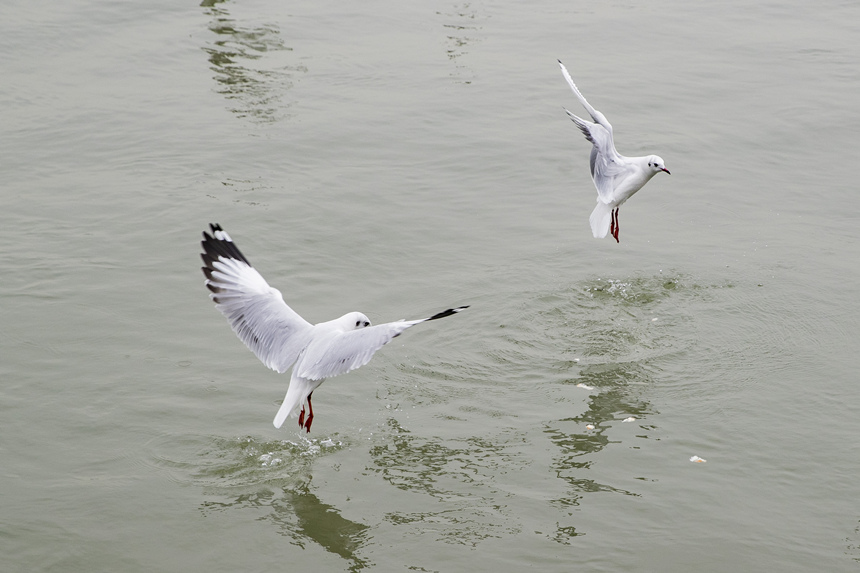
655	162
354	321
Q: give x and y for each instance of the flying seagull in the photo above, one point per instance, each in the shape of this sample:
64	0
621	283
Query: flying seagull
280	337
616	177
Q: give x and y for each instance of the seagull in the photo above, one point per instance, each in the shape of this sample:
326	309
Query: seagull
616	177
280	337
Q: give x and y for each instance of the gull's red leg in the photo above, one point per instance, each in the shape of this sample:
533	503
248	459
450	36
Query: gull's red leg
617	225
302	418
310	414
612	223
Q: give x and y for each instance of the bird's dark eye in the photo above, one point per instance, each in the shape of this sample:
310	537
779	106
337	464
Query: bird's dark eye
357	323
366	324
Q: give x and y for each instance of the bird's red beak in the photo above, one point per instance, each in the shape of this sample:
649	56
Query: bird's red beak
666	170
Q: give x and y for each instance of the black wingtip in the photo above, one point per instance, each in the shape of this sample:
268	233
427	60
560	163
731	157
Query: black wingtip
223	246
448	312
212	227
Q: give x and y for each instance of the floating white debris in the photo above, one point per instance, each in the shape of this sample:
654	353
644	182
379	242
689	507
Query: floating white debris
698	460
630	419
655	319
589	427
581	385
576	359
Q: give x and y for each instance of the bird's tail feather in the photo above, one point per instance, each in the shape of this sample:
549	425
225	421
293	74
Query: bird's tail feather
600	220
297	395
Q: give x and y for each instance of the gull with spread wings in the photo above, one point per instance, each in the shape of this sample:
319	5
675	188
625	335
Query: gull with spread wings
280	337
616	177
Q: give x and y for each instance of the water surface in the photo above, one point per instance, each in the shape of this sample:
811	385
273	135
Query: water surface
398	160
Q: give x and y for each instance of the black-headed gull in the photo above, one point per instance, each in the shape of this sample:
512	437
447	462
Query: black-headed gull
616	177
280	337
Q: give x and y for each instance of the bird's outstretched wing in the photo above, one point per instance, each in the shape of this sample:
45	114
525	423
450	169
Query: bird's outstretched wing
598	117
257	312
344	351
606	164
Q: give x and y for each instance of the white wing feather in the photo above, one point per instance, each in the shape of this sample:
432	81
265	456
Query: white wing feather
607	166
595	115
342	351
273	331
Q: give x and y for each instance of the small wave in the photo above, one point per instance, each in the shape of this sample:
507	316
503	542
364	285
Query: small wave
215	461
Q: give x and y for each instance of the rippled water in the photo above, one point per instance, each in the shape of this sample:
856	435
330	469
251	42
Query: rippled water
401	159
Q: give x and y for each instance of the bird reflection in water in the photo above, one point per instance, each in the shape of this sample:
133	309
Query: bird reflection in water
253	66
303	517
578	446
272	479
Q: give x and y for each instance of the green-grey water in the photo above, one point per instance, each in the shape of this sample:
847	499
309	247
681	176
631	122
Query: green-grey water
399	159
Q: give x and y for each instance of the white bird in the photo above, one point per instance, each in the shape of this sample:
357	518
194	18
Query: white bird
616	177
280	337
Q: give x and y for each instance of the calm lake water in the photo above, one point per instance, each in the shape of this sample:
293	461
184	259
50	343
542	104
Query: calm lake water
398	159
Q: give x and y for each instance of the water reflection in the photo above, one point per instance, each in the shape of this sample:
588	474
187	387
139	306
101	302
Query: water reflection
273	478
625	328
461	24
581	438
459	475
853	544
301	516
249	63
